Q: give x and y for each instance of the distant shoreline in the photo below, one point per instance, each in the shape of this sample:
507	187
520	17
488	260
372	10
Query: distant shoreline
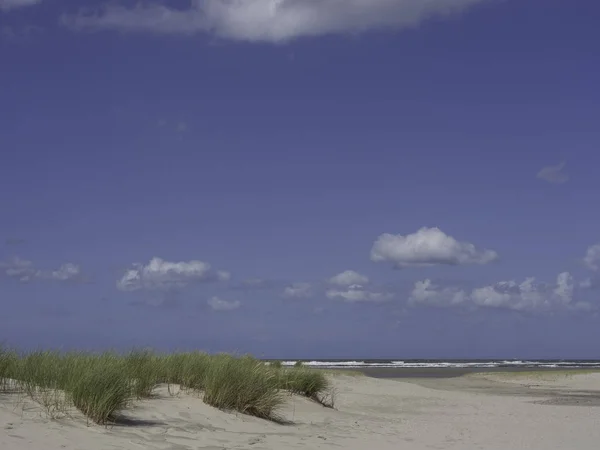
449	372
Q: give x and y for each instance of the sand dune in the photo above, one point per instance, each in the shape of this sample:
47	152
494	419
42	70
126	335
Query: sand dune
474	412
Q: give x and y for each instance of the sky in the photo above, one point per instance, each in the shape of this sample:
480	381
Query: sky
301	178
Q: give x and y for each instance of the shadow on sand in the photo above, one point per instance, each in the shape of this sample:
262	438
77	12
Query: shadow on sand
126	421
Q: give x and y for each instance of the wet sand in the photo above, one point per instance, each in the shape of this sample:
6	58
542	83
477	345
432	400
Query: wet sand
449	372
542	387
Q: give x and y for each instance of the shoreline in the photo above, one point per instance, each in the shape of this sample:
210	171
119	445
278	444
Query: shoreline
451	372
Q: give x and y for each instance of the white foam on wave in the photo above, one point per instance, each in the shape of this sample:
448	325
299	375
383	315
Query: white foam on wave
444	364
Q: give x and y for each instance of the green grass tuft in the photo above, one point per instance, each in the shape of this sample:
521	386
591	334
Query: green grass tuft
8	366
313	384
143	369
243	384
102	392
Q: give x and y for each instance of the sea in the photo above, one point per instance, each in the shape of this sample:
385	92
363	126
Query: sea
448	364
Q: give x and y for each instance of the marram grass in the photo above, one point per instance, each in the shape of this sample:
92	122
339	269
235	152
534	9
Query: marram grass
243	384
101	386
102	392
310	383
8	363
143	370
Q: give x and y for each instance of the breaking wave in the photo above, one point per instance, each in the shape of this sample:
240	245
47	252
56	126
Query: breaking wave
341	364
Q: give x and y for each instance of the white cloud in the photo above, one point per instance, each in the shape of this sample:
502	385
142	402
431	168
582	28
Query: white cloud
508	294
427	247
25	271
19	268
528	295
357	293
564	288
348	277
158	274
269	20
5	5
223	275
218	304
66	272
298	290
427	293
553	174
592	257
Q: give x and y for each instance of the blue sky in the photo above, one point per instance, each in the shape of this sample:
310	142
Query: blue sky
301	178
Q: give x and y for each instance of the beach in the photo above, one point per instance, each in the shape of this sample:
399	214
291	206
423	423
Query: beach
490	410
453	372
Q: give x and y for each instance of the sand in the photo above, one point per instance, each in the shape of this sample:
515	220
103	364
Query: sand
480	411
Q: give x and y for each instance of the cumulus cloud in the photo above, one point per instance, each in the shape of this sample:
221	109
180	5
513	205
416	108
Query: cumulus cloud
160	274
553	174
348	278
427	247
357	293
21	269
298	290
592	257
427	293
268	20
529	295
508	294
25	271
66	272
218	304
5	5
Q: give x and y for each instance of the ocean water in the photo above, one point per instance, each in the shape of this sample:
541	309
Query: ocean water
441	363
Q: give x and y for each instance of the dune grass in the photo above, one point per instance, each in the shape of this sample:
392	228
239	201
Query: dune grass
310	383
101	386
194	366
103	391
8	362
143	371
243	384
98	385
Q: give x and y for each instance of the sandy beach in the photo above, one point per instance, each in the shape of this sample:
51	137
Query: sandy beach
549	410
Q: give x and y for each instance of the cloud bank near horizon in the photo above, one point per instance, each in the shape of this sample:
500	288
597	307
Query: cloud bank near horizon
527	296
422	249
